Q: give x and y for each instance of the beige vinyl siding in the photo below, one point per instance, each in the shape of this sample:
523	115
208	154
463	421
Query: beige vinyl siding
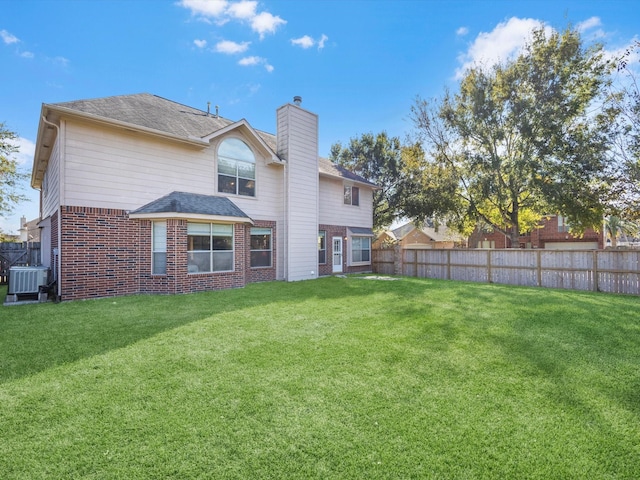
112	168
333	211
299	146
51	183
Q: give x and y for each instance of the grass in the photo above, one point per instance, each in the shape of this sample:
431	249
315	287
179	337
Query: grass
337	378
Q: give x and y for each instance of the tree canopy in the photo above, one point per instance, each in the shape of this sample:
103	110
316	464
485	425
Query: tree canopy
524	139
377	159
627	99
10	176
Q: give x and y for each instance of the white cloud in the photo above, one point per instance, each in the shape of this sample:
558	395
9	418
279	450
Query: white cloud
304	42
244	10
501	44
588	24
27	55
462	31
26	150
307	42
200	43
231	48
205	8
322	41
62	61
254	61
591	27
249	61
265	22
8	38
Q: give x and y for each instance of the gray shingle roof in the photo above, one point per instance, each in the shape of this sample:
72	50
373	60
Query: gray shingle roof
327	167
181	202
154	112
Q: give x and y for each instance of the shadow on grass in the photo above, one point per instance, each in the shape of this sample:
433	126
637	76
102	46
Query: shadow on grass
34	338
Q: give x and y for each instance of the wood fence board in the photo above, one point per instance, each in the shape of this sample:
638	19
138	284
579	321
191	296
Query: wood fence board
612	271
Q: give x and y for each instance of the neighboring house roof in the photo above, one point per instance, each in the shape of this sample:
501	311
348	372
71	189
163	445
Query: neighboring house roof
158	115
191	205
441	235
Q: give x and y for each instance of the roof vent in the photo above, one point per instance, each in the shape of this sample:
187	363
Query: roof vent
297	100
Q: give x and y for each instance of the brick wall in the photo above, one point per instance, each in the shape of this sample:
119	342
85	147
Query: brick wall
550	233
98	256
178	279
538	236
104	253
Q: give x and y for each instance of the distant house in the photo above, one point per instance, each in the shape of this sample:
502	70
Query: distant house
139	194
29	231
409	236
552	234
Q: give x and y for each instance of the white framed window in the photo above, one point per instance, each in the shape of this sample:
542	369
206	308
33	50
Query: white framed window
158	248
261	250
236	168
209	247
360	249
322	247
351	195
563	225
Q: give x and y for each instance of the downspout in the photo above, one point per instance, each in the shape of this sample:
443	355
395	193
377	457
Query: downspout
285	217
56	258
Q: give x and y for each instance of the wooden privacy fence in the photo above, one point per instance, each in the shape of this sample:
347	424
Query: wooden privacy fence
611	271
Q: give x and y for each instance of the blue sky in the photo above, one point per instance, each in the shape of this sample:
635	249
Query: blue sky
358	64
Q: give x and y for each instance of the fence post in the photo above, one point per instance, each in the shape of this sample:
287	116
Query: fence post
489	266
448	264
397	260
539	267
596	287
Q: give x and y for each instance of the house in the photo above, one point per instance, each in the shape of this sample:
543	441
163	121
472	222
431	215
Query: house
140	194
409	236
553	233
29	231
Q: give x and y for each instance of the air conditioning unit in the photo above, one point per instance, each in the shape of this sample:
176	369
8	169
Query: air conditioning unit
27	279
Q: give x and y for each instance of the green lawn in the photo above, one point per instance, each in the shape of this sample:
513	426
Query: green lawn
337	378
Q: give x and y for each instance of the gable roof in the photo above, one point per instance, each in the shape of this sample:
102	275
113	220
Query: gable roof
439	235
150	111
160	116
192	205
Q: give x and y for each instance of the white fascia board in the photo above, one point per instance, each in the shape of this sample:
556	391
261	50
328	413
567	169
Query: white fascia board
243	124
190	216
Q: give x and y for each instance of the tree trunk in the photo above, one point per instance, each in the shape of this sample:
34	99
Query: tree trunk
515	229
515	237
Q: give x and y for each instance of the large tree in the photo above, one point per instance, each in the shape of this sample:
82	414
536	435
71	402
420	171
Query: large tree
627	98
523	139
10	176
377	159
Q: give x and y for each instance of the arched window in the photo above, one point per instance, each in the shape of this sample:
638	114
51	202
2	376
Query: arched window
236	168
